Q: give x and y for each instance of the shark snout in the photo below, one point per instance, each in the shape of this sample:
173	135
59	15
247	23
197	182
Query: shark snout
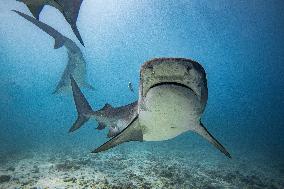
179	71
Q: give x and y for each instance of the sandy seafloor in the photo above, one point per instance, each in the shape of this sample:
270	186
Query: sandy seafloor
239	43
156	165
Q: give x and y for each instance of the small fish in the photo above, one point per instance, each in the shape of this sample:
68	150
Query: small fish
172	97
130	87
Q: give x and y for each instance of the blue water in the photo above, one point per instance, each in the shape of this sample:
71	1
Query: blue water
239	43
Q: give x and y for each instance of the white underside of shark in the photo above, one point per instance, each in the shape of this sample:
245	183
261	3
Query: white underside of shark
168	110
172	97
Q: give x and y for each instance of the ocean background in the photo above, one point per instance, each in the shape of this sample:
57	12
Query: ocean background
240	44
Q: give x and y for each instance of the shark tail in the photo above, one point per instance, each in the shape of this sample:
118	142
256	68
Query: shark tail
83	108
201	130
77	33
70	13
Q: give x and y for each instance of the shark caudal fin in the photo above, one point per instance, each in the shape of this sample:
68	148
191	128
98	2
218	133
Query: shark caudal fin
59	42
77	33
131	133
201	130
83	108
70	11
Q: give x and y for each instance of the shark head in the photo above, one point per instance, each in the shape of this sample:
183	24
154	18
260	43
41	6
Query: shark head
179	71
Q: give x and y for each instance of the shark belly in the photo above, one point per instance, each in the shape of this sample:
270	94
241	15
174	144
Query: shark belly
168	111
77	69
79	73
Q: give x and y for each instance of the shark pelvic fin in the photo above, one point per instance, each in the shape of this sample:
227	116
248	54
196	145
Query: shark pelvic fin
59	42
89	86
113	131
83	108
35	10
131	133
101	126
201	130
106	107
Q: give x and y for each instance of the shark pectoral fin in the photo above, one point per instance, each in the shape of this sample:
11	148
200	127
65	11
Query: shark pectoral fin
106	107
84	110
35	10
201	130
58	88
89	86
101	126
59	42
131	133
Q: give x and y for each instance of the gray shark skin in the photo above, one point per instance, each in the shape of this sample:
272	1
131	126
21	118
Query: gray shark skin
76	64
114	118
69	8
172	98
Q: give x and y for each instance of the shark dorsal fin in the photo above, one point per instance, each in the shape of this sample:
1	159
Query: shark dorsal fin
107	106
35	10
131	133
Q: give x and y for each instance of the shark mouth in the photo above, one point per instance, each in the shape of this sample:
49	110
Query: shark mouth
172	83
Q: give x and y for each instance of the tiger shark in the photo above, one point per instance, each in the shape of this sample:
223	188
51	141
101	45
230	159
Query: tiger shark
172	97
69	8
76	65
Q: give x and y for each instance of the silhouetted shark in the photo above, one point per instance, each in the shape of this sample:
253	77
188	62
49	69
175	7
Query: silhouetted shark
172	97
69	8
76	63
